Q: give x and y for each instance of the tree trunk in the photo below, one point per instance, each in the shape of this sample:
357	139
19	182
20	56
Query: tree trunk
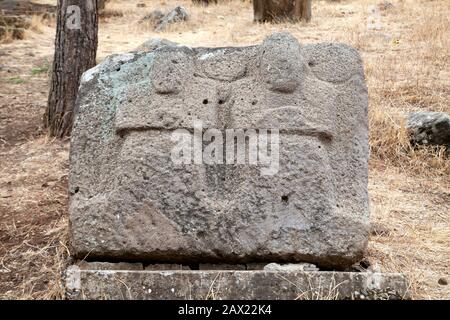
280	10
101	4
75	52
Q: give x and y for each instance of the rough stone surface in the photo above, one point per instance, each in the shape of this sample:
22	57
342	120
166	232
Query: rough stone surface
291	267
153	44
226	285
128	200
166	267
84	265
222	266
255	266
429	128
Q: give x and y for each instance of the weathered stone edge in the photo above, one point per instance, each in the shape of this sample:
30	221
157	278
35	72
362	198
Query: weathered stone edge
232	285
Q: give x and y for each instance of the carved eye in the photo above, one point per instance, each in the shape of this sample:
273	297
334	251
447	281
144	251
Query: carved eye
168	72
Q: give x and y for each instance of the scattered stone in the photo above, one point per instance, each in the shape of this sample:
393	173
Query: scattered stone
153	17
232	285
291	267
130	200
178	14
443	281
429	128
385	5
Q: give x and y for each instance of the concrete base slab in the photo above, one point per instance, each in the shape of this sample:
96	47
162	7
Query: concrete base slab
232	285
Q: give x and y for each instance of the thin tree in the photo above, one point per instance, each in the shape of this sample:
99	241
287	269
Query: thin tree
281	10
75	52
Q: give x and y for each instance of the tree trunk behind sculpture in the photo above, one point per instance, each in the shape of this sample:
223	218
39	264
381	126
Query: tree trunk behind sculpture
280	10
75	52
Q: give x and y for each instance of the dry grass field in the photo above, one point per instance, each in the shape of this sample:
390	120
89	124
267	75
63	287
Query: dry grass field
407	65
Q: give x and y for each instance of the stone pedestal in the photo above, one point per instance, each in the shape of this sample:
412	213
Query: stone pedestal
84	283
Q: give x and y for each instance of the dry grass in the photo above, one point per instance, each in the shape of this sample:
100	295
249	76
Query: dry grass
33	220
406	64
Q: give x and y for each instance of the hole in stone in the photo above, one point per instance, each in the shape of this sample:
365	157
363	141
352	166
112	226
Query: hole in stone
365	264
118	68
221	101
311	64
254	102
320	147
205	101
285	199
201	234
76	190
174	61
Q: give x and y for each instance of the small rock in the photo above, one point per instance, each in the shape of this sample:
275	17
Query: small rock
176	15
154	17
429	128
385	5
443	281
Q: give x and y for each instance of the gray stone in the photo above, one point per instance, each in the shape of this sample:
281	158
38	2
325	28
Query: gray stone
153	17
129	200
226	285
293	267
178	14
432	128
153	44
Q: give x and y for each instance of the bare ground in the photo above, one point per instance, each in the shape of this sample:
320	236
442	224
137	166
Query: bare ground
406	66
